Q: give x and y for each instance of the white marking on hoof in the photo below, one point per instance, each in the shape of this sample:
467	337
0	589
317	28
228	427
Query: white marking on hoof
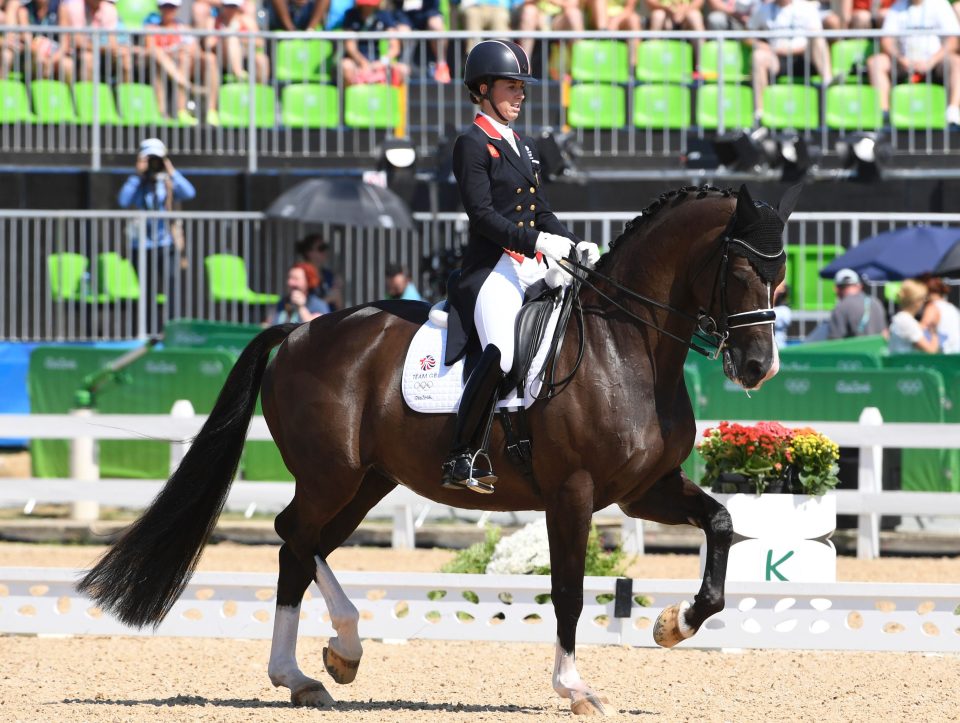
671	626
568	684
312	694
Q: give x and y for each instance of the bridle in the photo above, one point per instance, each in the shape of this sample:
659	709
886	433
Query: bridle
710	334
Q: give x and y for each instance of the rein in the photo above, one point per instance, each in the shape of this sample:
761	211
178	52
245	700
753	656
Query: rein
707	330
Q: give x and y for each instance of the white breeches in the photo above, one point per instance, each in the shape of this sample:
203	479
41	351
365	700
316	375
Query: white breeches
499	300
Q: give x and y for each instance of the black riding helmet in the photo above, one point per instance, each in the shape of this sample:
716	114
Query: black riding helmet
492	59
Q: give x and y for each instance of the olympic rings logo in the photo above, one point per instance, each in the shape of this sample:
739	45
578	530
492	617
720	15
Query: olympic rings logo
910	387
422	385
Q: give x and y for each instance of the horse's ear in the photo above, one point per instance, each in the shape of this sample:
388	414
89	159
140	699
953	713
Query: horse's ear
747	212
789	202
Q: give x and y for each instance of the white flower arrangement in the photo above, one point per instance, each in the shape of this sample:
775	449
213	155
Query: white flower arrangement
524	552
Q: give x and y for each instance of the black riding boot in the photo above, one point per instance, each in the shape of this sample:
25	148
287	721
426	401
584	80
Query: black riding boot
479	395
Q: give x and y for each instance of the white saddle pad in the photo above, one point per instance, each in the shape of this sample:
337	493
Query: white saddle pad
431	386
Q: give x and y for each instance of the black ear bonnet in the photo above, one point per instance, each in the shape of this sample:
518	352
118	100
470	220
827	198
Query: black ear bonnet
755	231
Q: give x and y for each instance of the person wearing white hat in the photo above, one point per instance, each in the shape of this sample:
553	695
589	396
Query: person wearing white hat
156	186
855	314
232	51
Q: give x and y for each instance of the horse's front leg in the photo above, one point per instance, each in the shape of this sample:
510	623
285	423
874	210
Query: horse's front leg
569	509
675	500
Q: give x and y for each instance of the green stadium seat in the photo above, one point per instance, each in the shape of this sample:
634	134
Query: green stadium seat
918	105
303	61
665	61
597	106
228	281
736	61
853	107
83	95
138	106
309	106
235	106
600	61
737	106
14	103
132	13
117	278
848	55
52	102
65	275
371	106
808	292
791	106
661	106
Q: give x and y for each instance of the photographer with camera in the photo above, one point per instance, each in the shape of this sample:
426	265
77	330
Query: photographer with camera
155	186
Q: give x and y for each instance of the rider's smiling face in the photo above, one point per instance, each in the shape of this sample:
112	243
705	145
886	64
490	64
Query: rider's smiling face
506	97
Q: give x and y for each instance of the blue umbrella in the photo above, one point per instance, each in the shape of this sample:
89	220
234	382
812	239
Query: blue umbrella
903	253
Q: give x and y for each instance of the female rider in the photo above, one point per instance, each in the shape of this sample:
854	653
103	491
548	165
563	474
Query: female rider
513	236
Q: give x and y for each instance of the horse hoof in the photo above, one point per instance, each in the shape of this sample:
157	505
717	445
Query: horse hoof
670	628
588	704
343	671
312	694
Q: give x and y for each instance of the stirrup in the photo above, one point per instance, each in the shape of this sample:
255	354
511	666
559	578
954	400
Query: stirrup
482	484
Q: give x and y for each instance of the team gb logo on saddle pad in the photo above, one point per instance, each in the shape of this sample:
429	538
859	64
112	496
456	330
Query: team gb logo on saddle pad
428	362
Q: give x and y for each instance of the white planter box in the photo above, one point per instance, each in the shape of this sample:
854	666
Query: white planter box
781	537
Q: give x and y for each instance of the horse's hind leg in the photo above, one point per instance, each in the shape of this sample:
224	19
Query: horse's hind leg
302	559
675	500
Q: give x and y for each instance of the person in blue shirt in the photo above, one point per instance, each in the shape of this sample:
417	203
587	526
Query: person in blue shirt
155	186
399	285
362	62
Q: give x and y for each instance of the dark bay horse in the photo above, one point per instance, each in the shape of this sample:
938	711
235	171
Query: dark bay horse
615	435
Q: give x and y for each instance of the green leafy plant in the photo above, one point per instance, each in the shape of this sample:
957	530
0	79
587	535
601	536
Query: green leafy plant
473	560
814	458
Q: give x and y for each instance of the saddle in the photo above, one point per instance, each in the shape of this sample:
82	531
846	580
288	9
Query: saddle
528	332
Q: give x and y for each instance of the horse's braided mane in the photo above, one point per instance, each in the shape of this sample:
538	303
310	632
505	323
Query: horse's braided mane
670	198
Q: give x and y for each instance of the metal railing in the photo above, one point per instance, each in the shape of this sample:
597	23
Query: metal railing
41	301
147	96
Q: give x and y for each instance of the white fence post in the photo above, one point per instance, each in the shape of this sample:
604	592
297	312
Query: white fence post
631	536
84	467
869	480
182	409
403	536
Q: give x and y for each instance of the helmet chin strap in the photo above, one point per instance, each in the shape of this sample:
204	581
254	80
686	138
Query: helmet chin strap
487	97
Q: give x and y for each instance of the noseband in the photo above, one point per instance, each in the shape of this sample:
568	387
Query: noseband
709	335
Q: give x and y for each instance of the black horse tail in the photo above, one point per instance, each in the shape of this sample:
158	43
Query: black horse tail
142	575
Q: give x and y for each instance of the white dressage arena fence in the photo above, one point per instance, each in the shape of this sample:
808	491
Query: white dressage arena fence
869	501
515	608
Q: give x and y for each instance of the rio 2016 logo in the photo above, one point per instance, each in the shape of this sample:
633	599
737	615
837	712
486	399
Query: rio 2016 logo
428	362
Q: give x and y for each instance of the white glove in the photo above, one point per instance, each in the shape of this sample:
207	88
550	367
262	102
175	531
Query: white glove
553	246
591	250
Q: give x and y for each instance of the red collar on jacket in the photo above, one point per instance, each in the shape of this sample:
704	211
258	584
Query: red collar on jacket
484	124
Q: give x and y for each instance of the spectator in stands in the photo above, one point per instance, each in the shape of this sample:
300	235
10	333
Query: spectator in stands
425	15
863	14
312	248
116	56
490	17
676	14
156	186
787	55
941	315
622	15
919	57
783	313
906	334
11	44
179	58
855	314
399	285
204	12
548	15
299	304
729	14
296	14
50	58
362	62
233	52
